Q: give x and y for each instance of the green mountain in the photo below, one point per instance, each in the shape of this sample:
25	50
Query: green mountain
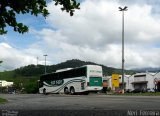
34	70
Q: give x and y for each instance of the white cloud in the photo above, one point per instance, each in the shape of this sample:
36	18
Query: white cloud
13	58
5	45
94	34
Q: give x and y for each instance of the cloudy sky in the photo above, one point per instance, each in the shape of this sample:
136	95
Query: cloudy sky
92	34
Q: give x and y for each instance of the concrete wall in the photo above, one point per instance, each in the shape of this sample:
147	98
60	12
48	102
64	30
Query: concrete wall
150	79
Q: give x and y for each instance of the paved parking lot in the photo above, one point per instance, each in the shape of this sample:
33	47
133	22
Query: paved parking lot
79	102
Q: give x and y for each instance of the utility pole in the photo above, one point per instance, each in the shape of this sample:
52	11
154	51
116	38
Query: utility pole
45	64
123	9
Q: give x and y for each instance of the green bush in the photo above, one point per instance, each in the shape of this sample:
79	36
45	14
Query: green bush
31	87
109	89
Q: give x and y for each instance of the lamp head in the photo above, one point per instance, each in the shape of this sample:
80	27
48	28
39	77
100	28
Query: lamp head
123	9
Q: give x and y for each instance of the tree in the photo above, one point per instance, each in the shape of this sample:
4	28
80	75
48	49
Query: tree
31	87
10	8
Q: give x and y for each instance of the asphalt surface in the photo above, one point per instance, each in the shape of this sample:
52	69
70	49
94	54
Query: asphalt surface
60	102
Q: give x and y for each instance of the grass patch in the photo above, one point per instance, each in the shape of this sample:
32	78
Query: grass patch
2	100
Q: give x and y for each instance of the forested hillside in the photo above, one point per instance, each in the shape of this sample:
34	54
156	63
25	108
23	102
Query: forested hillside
36	70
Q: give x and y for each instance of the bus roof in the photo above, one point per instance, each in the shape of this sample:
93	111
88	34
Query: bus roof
66	69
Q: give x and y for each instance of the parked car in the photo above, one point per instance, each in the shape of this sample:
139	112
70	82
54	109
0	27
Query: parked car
150	90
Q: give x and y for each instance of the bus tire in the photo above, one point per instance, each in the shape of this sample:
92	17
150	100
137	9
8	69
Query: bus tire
66	90
86	93
44	91
72	91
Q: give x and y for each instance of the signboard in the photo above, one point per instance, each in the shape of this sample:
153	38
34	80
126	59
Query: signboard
115	80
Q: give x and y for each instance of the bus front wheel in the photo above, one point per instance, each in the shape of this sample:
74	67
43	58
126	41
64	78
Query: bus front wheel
66	90
44	91
72	90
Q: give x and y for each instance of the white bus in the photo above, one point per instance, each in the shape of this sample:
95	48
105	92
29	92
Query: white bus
70	81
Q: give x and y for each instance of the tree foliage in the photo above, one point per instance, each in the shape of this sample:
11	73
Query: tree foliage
31	87
68	5
30	70
10	8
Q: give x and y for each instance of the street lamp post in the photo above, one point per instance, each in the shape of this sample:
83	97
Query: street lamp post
123	9
37	60
45	63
